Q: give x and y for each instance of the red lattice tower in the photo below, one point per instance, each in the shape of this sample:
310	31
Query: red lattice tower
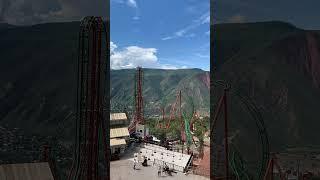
90	122
273	163
138	114
222	107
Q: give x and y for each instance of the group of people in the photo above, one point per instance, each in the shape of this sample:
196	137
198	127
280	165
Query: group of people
164	168
144	163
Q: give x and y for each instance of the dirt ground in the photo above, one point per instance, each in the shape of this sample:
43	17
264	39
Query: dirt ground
203	168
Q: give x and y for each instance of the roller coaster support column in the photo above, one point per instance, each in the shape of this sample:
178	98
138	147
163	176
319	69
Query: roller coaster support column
226	133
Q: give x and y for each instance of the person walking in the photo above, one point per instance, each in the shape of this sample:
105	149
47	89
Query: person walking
134	164
159	171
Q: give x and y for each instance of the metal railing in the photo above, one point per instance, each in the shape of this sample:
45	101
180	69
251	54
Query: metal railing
170	165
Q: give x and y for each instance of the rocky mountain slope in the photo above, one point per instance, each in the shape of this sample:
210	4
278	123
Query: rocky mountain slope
277	65
160	89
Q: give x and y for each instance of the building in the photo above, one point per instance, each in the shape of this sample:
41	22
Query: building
119	120
141	130
119	134
26	171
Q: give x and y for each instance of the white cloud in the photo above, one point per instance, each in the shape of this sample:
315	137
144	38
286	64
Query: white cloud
167	38
136	18
181	32
206	20
202	55
117	1
132	3
112	47
133	56
237	19
191	35
167	66
203	19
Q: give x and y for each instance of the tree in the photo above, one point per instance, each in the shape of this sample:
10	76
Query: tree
199	133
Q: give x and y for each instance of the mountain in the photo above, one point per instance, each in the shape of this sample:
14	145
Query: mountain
37	76
160	88
38	89
278	66
6	26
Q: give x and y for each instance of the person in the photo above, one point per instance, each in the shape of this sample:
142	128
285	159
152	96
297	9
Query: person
166	168
159	171
145	162
134	164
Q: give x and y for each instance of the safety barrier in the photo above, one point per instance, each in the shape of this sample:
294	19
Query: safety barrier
175	167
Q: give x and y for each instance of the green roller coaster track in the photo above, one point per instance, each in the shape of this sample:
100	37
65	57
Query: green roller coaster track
187	129
236	161
238	166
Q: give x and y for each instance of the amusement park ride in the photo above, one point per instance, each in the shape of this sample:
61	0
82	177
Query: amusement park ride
187	123
137	124
138	114
91	147
233	159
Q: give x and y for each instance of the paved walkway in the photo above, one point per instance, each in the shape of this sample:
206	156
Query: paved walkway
123	170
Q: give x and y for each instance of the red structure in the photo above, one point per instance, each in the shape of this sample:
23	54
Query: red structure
162	118
270	169
223	104
173	116
173	112
138	114
91	103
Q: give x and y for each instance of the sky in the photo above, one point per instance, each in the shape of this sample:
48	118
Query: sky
161	33
166	34
301	13
29	12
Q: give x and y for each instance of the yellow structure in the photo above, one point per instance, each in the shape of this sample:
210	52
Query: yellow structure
26	171
119	134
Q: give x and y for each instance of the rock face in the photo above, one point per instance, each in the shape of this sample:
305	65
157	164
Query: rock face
279	71
205	78
301	51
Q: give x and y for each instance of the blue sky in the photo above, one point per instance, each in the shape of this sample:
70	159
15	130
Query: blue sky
167	34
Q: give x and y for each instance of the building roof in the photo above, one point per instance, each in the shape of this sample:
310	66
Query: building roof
118	116
117	142
119	132
27	171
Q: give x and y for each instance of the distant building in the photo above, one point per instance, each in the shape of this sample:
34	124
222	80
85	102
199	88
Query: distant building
26	171
118	120
119	134
141	130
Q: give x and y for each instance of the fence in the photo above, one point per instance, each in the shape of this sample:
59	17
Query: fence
159	162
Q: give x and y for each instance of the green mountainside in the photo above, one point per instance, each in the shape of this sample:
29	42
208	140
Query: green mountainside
274	63
278	66
160	88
